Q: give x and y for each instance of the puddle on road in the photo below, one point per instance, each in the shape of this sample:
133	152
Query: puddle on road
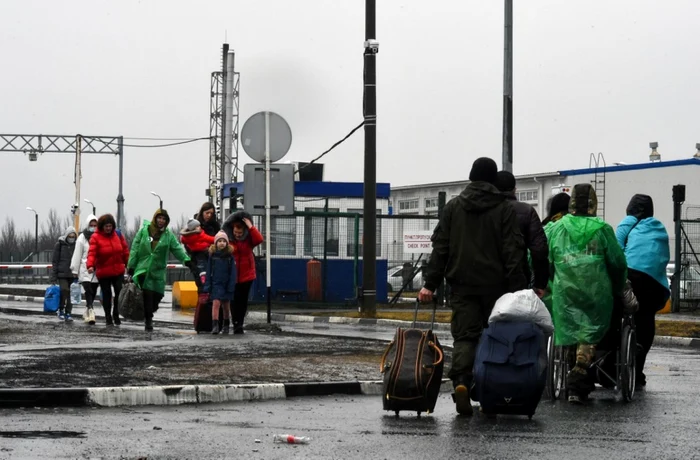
53	434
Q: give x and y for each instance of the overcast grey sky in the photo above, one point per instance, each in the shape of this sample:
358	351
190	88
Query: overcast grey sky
589	76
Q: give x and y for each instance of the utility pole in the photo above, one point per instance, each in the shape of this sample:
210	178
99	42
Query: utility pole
369	228
508	89
78	175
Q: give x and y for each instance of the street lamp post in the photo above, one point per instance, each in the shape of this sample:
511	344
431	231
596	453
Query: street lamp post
36	230
159	199
94	211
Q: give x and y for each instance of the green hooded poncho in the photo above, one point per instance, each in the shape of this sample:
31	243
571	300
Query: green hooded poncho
589	270
149	255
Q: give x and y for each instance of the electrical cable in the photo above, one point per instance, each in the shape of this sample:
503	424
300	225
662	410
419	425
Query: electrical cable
332	147
168	145
158	138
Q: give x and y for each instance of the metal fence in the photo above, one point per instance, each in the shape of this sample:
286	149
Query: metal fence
690	264
332	238
335	239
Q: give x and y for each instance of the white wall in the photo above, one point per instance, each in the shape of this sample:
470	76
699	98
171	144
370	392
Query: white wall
620	186
658	183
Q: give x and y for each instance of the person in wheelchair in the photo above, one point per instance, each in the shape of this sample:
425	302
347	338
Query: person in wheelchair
588	270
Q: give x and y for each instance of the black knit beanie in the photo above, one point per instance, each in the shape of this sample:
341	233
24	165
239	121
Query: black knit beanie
484	170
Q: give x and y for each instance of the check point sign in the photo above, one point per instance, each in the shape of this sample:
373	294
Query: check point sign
417	242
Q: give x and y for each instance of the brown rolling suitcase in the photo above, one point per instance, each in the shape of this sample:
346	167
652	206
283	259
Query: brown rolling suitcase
412	365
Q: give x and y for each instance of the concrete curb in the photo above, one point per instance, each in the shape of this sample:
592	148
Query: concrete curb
677	342
294	318
173	395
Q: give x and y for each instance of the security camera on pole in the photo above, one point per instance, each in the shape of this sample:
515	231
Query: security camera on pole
270	190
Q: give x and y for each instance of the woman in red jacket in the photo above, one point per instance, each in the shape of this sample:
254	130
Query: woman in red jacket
107	258
244	238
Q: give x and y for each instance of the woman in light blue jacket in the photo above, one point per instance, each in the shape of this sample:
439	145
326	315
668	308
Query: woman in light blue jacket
645	242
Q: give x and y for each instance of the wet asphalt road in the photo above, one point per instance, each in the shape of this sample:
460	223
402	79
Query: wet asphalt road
43	352
661	423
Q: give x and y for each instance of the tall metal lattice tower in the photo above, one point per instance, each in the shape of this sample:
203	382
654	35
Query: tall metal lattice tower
223	128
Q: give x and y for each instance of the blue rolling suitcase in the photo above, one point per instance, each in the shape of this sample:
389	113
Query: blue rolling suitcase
510	369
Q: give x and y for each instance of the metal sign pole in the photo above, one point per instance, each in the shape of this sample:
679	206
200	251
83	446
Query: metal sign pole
267	216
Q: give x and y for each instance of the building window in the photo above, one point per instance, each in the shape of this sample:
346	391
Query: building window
283	237
431	203
315	228
352	244
527	196
408	205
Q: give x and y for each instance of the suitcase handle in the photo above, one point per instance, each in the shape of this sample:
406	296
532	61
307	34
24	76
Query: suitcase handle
438	351
382	369
415	314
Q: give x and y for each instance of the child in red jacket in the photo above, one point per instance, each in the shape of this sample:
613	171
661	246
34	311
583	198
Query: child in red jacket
196	242
244	238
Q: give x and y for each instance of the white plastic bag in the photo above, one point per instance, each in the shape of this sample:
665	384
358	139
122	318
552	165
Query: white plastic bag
522	306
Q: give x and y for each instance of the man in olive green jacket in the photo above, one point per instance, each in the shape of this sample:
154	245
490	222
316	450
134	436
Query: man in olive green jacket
478	248
149	258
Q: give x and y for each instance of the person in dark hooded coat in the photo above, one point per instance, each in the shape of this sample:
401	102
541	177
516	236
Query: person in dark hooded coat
531	228
558	208
645	242
61	272
479	249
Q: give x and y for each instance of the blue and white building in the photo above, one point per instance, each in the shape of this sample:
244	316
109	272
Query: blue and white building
614	184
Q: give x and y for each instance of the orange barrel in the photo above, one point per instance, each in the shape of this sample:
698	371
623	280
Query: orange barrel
314	284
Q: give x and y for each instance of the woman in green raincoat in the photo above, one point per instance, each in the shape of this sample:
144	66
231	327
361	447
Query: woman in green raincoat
590	270
148	260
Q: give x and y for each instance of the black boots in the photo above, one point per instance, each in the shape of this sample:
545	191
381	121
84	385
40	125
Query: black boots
115	316
149	324
108	317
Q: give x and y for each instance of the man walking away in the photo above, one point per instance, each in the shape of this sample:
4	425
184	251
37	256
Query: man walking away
533	234
478	249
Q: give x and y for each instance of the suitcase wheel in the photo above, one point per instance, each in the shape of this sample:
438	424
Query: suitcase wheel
397	413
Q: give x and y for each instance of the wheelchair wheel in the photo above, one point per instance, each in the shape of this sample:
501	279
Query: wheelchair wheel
628	362
556	371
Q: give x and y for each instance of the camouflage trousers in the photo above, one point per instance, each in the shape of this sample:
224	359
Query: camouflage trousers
580	357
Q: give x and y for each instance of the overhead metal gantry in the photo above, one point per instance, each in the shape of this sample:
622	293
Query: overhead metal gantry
34	145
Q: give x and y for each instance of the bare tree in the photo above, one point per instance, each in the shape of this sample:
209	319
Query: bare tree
8	239
25	241
181	223
51	229
130	231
